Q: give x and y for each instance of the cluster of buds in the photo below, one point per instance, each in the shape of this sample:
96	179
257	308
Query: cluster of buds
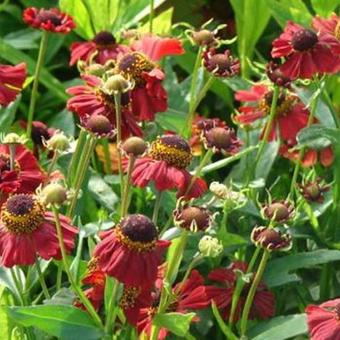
271	239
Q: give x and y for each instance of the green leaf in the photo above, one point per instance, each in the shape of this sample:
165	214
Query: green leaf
294	10
280	328
161	24
77	9
64	322
15	56
5	333
63	121
176	323
318	136
252	17
324	7
278	270
7	114
102	192
23	39
223	326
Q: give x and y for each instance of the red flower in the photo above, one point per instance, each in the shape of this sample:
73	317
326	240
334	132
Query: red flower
310	158
133	243
48	20
291	114
11	81
323	321
165	164
148	96
307	52
24	178
28	231
101	48
191	295
263	305
330	25
96	279
90	100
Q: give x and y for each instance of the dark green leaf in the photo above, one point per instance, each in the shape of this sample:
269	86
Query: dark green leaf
318	136
223	326
176	323
7	115
64	322
280	328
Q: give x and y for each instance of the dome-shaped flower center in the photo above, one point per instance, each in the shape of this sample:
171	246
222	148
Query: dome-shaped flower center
304	39
129	296
132	66
46	15
313	191
99	124
104	38
220	61
172	149
278	211
270	236
22	214
139	228
283	105
219	137
194	217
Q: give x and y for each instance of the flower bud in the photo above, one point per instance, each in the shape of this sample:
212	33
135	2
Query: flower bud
99	125
210	246
135	146
58	142
95	69
54	194
13	138
116	83
219	190
203	37
279	211
192	218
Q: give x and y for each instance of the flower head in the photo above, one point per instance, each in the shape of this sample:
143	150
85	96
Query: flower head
27	230
279	211
48	20
210	246
165	165
11	82
313	191
271	239
134	241
276	76
306	52
221	64
99	125
323	320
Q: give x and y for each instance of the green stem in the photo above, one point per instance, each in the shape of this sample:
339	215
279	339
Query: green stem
111	315
53	163
75	287
239	286
75	156
198	170
42	280
268	126
152	14
192	264
331	108
118	109
250	297
125	198
107	157
303	149
34	93
59	275
81	171
17	286
156	207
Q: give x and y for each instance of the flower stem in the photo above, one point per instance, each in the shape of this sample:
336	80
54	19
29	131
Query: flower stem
198	170
81	171
34	93
192	264
74	285
118	109
42	280
75	156
59	275
125	198
269	125
53	163
107	157
152	14
111	315
250	297
17	286
240	284
303	149
12	148
156	207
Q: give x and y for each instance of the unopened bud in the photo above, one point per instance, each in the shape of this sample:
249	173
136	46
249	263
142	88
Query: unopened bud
58	142
135	146
54	194
116	83
210	246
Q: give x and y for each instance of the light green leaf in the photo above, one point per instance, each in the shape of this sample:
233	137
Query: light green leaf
64	322
176	323
223	326
280	328
161	24
7	114
325	7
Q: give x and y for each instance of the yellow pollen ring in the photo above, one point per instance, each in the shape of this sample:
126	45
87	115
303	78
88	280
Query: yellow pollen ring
23	224
170	154
281	109
134	245
128	299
